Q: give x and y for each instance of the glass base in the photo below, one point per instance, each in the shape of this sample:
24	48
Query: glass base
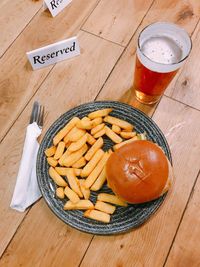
146	99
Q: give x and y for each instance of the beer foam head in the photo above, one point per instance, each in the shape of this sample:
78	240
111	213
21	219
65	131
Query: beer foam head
162	47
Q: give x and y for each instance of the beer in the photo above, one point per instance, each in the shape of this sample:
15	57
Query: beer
159	56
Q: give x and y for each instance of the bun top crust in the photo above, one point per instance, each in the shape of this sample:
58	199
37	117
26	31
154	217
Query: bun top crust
138	172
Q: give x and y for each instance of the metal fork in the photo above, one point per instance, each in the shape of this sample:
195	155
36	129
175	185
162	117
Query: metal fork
37	114
26	190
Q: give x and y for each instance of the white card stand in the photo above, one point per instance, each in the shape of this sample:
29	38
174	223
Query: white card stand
54	53
56	6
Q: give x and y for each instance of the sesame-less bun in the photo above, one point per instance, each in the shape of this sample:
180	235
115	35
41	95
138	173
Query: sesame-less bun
138	172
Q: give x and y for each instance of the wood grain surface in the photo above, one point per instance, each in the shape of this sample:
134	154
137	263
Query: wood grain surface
185	249
18	82
185	89
107	32
59	246
15	15
117	20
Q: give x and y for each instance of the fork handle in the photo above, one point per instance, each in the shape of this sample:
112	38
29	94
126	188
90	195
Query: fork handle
21	196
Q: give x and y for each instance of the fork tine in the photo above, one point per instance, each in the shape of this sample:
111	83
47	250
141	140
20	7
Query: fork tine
41	116
38	114
34	112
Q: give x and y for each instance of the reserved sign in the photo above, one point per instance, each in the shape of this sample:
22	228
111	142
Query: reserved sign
55	6
54	53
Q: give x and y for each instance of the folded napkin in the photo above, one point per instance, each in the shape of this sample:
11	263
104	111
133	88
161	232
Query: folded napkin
26	190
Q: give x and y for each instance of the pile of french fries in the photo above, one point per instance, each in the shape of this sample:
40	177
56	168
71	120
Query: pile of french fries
77	161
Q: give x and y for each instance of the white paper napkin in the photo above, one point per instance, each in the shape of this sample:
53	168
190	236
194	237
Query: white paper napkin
26	190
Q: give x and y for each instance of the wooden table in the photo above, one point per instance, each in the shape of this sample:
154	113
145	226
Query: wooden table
107	32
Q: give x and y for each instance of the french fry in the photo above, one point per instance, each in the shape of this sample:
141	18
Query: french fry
85	119
97	128
99	113
125	142
127	135
83	204
100	133
73	197
92	163
90	140
79	163
64	157
96	122
52	162
60	192
78	144
105	207
64	131
63	171
75	134
72	180
96	171
75	156
97	215
113	136
99	181
66	139
126	130
121	123
104	197
98	144
116	129
68	144
85	191
86	125
60	150
49	152
77	172
56	177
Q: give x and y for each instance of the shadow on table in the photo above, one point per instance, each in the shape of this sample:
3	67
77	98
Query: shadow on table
129	98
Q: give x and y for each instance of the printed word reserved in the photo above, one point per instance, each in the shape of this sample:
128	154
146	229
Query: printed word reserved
53	53
55	6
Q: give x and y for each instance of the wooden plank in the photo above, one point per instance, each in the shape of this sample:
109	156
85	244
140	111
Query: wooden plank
18	82
117	20
120	82
186	246
185	89
71	83
15	15
46	241
149	245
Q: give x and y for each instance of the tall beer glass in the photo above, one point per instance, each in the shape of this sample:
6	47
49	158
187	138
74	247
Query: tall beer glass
161	51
